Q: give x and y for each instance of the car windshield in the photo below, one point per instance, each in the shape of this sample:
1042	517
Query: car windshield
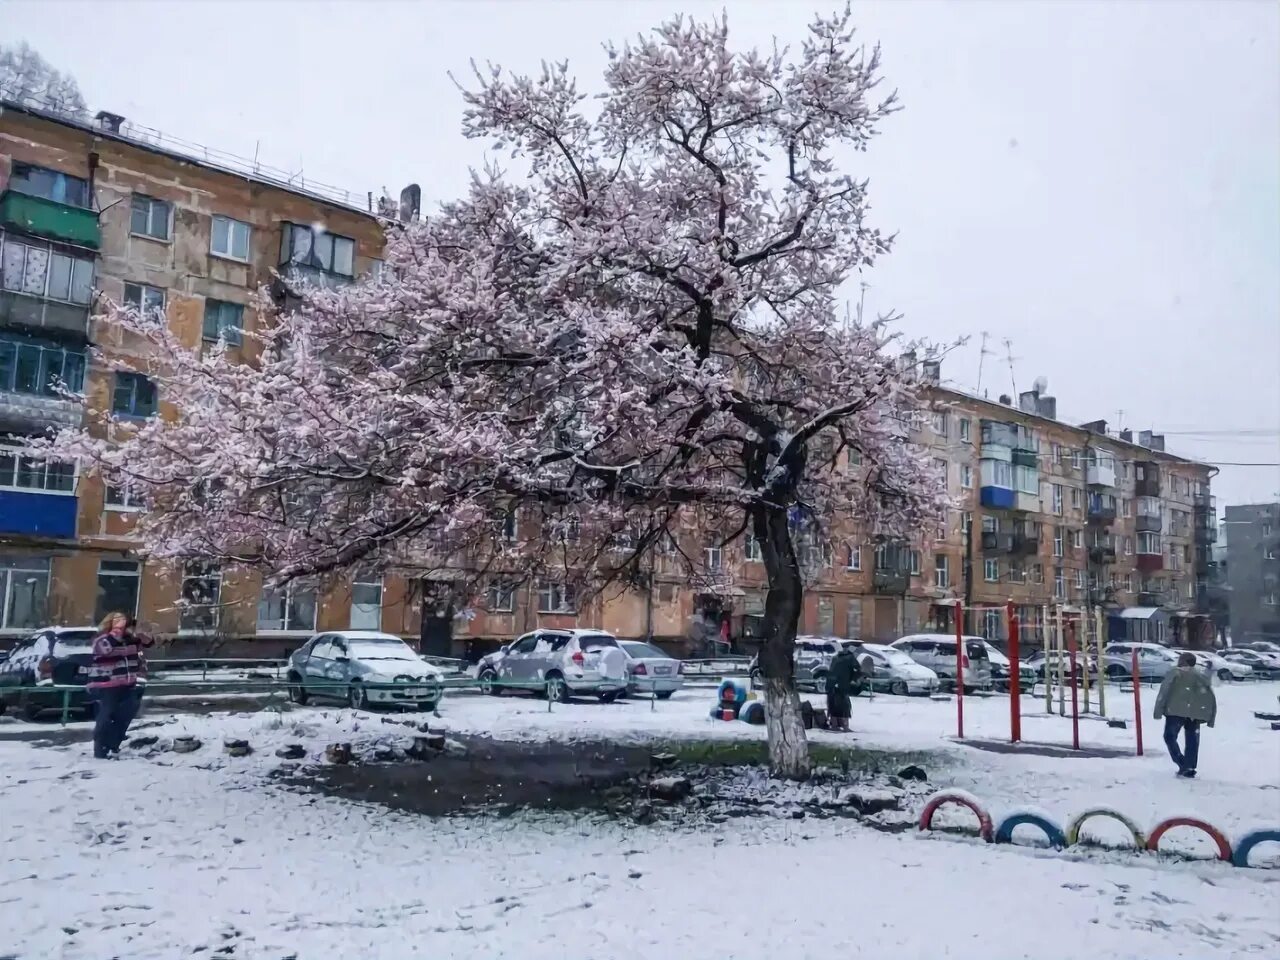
594	641
72	643
895	657
374	649
643	651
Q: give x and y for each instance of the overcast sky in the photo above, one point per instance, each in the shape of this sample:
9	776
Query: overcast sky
1097	183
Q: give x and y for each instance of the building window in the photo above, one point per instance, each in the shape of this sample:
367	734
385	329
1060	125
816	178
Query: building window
150	217
1057	498
39	367
37	270
507	527
134	395
1057	541
230	239
966	476
1077	459
28	473
143	298
117	587
1128	546
751	549
1266	529
940	423
1128	583
715	558
201	594
966	522
24	592
991	570
913	560
287	609
1055	451
49	184
556	598
223	321
1016	573
501	597
997	473
990	524
992	623
941	573
1075	498
853	557
366	601
1059	584
319	249
1037	573
940	467
966	429
1079	579
125	498
1148	542
1077	539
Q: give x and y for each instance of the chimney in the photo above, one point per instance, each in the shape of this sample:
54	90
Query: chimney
1006	400
932	371
1126	435
1144	438
1047	407
1095	426
1157	441
110	122
1027	401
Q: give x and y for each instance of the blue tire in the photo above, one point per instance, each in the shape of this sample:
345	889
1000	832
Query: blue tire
1250	840
1004	833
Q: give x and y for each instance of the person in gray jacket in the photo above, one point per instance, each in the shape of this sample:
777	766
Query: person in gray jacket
1185	701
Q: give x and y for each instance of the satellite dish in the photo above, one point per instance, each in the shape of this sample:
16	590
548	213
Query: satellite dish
1041	384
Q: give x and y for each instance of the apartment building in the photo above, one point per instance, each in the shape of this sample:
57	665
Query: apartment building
1253	570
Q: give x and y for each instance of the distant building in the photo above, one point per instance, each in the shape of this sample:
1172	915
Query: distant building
1253	570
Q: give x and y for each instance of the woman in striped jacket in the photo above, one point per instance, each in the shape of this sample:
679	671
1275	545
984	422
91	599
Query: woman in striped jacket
118	665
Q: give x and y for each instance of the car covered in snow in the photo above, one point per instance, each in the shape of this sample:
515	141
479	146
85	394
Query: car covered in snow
1216	666
810	660
937	651
1264	666
891	670
651	670
1001	668
365	668
560	663
1154	660
42	661
1038	660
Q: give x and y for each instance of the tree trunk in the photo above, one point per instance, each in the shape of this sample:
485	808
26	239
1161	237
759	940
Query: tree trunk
788	749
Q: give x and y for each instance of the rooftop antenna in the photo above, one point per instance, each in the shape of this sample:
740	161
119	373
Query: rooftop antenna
1008	348
862	299
982	356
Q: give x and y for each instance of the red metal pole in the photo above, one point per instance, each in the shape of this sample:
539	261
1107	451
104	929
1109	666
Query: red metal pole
1137	701
959	609
1015	678
1075	704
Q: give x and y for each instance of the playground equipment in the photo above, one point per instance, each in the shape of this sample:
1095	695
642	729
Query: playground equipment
1053	832
1245	845
1164	826
963	799
1076	822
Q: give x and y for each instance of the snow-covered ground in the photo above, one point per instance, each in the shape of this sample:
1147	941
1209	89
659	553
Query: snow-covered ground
159	855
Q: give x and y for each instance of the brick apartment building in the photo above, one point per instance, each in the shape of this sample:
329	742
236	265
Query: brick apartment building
1047	513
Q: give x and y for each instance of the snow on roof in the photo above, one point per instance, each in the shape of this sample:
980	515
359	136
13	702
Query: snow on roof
1138	613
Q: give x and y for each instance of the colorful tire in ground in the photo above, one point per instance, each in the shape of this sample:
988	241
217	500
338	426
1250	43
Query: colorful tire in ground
1073	827
1161	828
964	800
1245	845
1004	833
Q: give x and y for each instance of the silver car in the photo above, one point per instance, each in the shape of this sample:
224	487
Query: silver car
559	663
811	661
651	670
937	651
1154	661
363	667
888	669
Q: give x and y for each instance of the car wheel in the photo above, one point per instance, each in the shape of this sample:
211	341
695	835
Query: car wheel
609	697
1116	672
297	692
898	688
755	677
1225	675
31	711
358	697
429	706
819	680
664	694
489	685
556	688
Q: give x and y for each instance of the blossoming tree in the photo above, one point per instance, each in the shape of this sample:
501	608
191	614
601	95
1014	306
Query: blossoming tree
637	337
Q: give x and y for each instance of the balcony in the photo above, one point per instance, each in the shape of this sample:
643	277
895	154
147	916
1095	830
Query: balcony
1146	479
1100	515
1147	523
1206	535
997	542
890	581
1024	545
33	413
998	498
1025	458
46	316
1100	475
1205	501
1101	555
50	219
1149	562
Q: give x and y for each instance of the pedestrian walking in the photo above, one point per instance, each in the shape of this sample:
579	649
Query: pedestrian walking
1185	700
841	675
118	665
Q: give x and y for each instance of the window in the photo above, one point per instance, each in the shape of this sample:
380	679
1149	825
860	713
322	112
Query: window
941	574
1077	539
940	423
913	559
149	217
751	549
1075	498
366	601
38	367
997	473
1128	546
38	270
1026	479
991	570
501	596
27	473
1055	451
230	238
1077	458
1016	572
1037	573
1057	499
714	558
992	623
940	467
143	298
24	592
855	457
201	592
1059	584
966	522
1128	583
317	248
1148	542
966	476
1148	507
126	498
556	598
1175	557
117	587
287	609
1266	529
36	181
853	557
1126	507
966	429
1270	553
1079	579
1057	541
223	321
990	524
134	395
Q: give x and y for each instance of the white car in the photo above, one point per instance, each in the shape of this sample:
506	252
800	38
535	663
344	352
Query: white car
651	670
1219	667
559	663
365	668
888	669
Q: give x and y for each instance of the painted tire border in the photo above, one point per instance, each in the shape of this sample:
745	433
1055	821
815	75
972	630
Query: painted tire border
1076	822
947	796
1224	846
1004	833
1246	843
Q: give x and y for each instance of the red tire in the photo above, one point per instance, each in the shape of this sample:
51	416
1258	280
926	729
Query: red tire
1164	826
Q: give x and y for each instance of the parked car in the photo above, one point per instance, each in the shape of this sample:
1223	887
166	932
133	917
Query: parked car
937	651
651	670
886	668
365	668
1154	661
50	656
1216	666
1001	668
1264	667
1259	646
1037	661
811	661
560	663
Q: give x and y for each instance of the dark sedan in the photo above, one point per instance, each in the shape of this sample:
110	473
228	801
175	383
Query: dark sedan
48	658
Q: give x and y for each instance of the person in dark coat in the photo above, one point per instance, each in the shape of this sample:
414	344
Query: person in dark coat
1185	701
118	665
842	675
